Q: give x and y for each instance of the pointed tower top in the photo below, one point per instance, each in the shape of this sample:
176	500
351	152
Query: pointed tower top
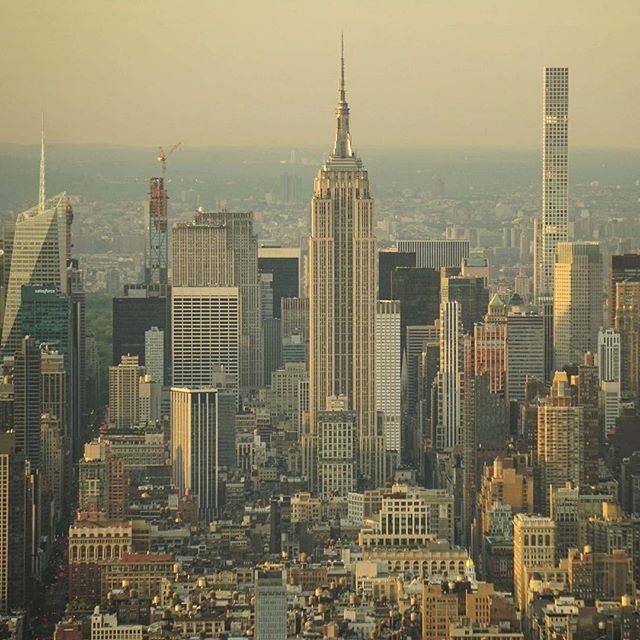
342	147
342	89
41	190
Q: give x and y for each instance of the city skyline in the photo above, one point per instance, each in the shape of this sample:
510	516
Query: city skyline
448	95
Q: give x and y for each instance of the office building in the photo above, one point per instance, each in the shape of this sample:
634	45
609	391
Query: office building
426	514
295	318
52	468
220	250
418	291
525	358
577	301
272	347
156	250
26	408
124	393
336	449
270	603
388	384
78	414
53	386
142	307
388	261
45	316
509	482
553	226
470	292
560	437
38	257
154	342
533	548
15	555
342	292
490	345
621	268
202	442
450	378
205	334
435	254
284	264
627	324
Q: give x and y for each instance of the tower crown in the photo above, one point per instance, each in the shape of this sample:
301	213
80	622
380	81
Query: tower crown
342	147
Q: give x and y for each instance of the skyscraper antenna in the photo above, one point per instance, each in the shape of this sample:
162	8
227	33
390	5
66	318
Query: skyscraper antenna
342	65
41	196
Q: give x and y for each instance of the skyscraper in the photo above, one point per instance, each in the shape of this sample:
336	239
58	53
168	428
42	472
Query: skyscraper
525	357
154	354
285	264
627	323
270	604
450	377
560	437
435	254
14	559
205	334
342	291
470	292
388	386
609	374
554	223
124	392
220	249
156	246
418	291
621	268
577	300
26	409
142	307
388	261
202	441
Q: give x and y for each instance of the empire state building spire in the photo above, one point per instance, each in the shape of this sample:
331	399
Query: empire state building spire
342	147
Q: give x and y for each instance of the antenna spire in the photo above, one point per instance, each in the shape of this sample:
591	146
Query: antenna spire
41	192
342	89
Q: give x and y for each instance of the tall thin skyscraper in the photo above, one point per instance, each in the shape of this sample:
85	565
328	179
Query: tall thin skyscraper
450	377
342	291
388	383
26	408
157	247
554	223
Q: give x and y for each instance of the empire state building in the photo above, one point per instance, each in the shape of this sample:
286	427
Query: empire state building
342	292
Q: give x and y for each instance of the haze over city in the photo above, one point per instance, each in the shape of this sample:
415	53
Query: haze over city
255	73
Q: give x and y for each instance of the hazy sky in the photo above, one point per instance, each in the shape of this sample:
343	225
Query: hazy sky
264	72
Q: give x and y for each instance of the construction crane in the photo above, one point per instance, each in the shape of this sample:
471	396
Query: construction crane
162	157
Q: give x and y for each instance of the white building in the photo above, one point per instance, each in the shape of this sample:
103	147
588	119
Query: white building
450	377
205	326
154	354
434	254
554	223
388	380
609	373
